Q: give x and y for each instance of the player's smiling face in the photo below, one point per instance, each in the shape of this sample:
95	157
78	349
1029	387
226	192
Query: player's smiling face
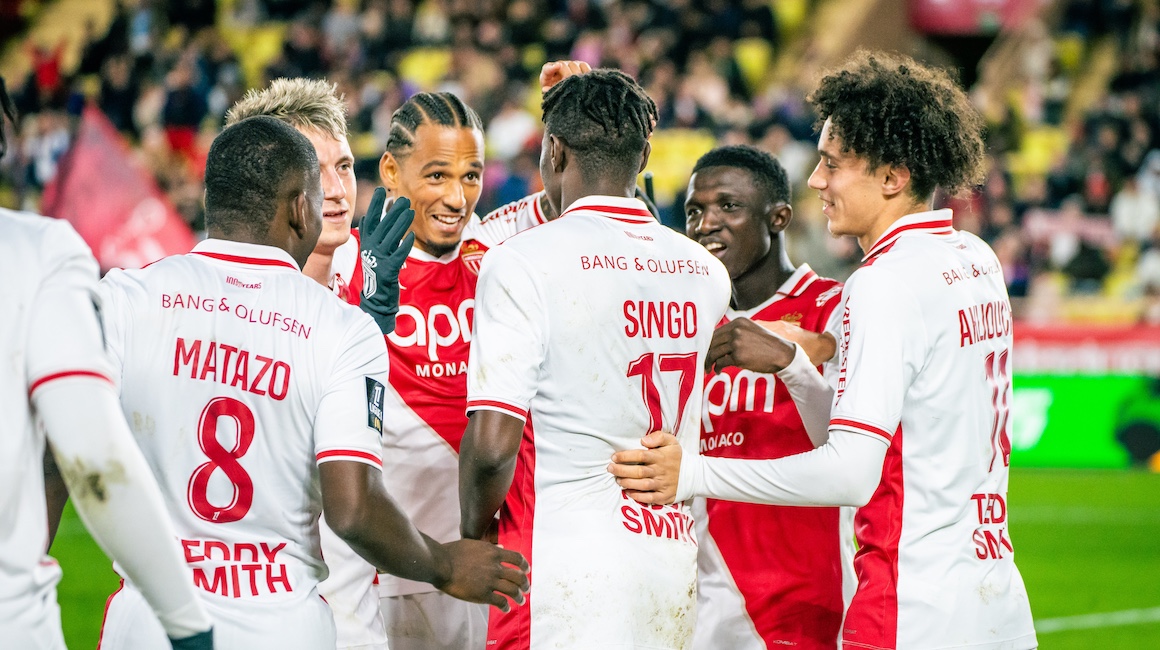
443	176
336	165
850	191
727	213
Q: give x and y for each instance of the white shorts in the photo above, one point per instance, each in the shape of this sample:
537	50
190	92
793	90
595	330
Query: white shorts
131	625
434	621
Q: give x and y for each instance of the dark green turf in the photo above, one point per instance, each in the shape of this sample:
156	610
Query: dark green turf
1085	541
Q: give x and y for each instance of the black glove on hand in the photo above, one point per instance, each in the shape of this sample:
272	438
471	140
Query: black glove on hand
383	251
201	641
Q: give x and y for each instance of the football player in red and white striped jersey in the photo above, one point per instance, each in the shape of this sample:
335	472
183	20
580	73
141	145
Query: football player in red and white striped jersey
752	594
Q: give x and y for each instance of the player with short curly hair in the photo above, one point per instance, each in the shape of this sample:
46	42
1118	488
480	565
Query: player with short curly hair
894	111
918	429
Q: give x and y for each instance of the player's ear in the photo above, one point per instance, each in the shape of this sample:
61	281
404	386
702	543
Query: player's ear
644	156
556	154
299	215
895	179
780	214
389	172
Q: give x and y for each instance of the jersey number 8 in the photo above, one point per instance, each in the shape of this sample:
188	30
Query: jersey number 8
224	459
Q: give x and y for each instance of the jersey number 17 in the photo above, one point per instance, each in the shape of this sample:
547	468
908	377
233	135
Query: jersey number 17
685	365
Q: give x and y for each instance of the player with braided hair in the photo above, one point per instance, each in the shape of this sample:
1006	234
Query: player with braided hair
590	331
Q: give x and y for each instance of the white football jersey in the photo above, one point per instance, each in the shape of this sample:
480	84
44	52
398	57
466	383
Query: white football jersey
925	365
45	263
239	376
593	329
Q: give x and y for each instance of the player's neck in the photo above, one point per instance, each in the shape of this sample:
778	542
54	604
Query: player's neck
576	188
760	282
318	267
892	212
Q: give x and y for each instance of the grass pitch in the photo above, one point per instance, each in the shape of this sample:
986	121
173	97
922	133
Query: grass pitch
1086	542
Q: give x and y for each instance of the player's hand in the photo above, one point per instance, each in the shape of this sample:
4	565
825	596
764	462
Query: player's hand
200	641
384	251
819	346
485	573
745	344
554	72
649	475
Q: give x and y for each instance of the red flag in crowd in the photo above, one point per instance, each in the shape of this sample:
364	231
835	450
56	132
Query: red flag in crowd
115	205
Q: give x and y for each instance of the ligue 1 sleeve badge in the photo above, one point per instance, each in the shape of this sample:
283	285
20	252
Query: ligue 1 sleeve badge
375	395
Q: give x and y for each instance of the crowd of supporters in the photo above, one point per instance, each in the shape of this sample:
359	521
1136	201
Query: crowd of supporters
1083	223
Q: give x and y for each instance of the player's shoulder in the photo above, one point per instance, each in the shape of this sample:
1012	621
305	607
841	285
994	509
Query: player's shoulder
524	209
32	231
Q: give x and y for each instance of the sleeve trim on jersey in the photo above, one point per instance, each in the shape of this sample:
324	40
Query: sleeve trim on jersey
64	375
349	454
496	405
861	427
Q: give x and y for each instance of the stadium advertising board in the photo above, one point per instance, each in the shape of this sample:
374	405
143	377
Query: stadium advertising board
1086	396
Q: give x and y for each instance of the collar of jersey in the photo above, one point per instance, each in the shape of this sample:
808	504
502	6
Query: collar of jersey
423	256
932	222
619	208
238	252
793	286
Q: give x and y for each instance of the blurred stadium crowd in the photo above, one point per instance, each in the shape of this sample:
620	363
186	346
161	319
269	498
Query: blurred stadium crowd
1071	203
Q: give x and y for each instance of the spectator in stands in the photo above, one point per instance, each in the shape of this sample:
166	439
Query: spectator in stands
1135	213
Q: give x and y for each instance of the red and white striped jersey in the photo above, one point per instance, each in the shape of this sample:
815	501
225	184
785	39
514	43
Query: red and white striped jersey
239	376
925	366
44	262
426	398
482	234
752	593
424	406
593	329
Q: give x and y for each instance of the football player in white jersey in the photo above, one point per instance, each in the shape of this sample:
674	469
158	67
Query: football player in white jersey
59	386
313	107
257	399
918	434
590	330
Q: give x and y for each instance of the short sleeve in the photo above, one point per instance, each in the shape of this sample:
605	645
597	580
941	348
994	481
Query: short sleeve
509	337
882	339
113	304
349	422
64	335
